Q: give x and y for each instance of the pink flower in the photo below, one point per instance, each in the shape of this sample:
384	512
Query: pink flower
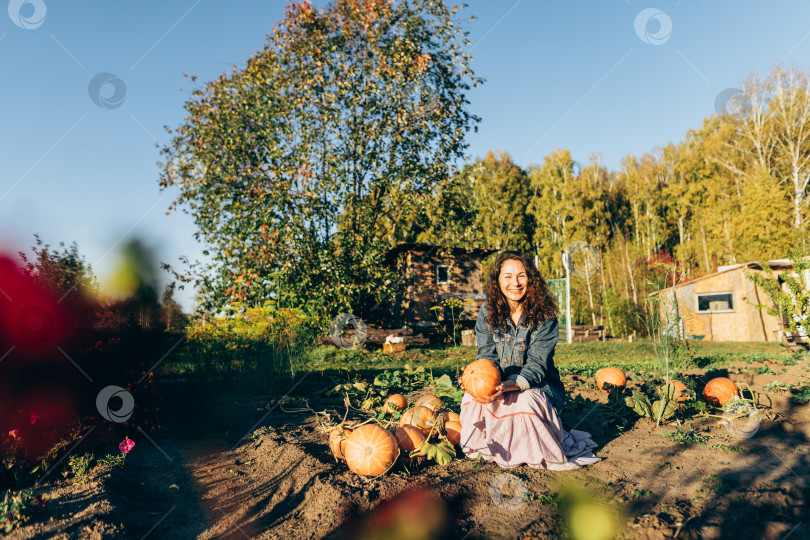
126	445
34	417
14	433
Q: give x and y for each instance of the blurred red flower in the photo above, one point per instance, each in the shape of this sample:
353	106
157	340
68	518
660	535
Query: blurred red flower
126	445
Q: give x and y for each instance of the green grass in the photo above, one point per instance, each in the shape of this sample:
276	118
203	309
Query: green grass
640	493
687	436
579	358
727	448
638	356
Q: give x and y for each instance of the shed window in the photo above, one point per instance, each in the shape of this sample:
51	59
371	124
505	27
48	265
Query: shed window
715	302
442	274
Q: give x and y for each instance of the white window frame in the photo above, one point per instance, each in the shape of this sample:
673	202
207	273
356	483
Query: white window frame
437	274
730	293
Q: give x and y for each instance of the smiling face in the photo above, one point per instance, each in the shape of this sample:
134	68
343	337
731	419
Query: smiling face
513	281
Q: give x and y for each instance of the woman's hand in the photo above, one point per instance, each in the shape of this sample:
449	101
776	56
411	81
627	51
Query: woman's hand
506	386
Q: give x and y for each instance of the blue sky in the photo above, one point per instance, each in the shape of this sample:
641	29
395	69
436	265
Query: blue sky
570	74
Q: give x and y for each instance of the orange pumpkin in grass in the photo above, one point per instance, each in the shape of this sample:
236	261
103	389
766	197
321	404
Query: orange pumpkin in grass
395	402
371	450
480	378
719	391
409	438
430	401
453	430
419	417
337	443
610	375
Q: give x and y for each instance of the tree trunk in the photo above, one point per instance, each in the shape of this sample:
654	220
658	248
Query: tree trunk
730	245
798	198
590	296
602	297
705	251
630	270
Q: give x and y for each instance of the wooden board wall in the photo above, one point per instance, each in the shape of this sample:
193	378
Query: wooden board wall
465	277
745	323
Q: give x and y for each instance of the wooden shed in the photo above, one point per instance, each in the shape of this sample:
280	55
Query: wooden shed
720	306
432	273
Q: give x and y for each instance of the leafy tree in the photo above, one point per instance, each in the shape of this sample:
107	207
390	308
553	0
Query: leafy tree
444	216
771	132
135	302
63	271
789	291
171	311
499	193
350	115
549	208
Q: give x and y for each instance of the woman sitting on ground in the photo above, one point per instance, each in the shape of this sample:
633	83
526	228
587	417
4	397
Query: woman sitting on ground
517	330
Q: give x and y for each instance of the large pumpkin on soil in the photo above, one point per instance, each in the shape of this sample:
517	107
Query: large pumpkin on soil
419	417
480	378
719	391
395	402
409	438
338	443
370	450
611	375
453	430
430	401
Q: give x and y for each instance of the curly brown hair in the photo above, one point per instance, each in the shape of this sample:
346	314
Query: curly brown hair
538	303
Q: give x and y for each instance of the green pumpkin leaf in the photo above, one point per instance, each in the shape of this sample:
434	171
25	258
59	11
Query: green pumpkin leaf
669	392
445	382
444	453
641	404
663	409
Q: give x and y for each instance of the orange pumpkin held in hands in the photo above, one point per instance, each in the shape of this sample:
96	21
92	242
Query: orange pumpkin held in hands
338	443
610	375
371	450
419	417
409	438
480	378
395	402
453	430
430	401
719	391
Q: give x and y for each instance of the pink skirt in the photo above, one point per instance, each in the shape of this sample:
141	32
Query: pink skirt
523	427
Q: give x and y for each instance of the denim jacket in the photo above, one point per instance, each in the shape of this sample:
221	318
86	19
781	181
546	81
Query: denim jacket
523	354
